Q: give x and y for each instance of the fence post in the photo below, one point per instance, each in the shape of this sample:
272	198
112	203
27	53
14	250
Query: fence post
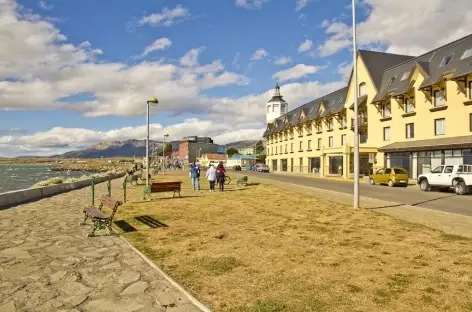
109	186
125	182
92	189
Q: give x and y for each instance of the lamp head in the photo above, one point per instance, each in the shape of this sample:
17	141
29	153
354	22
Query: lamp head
153	101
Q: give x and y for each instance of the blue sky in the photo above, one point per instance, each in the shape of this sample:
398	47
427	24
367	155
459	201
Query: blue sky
78	74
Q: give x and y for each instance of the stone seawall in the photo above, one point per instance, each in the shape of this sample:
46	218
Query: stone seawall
13	198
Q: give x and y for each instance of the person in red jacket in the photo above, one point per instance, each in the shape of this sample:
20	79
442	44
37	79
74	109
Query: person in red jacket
220	176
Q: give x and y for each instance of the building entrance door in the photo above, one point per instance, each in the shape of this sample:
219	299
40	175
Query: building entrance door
274	165
284	165
314	164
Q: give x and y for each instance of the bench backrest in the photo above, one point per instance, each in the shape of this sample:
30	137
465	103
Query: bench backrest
111	203
165	186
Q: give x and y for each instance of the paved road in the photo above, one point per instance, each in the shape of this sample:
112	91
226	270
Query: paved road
442	201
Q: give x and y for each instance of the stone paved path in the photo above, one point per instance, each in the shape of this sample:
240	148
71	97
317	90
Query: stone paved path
48	264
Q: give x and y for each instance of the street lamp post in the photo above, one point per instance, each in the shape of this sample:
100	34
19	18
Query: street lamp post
164	154
356	119
152	101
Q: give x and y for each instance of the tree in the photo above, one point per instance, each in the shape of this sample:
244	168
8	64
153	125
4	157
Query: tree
232	151
167	148
260	147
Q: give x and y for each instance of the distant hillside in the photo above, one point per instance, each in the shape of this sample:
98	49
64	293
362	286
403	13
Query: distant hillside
242	144
127	148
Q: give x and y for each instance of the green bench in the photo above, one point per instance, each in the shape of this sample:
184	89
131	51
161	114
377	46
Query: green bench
99	219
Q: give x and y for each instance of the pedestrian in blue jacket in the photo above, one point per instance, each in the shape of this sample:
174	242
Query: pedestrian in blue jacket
195	175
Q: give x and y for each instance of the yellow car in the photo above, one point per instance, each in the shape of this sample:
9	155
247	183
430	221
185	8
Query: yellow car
390	176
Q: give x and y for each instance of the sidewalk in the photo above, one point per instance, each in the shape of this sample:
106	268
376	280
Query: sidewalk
48	264
450	223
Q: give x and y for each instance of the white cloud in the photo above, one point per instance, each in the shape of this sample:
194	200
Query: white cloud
47	7
190	59
433	23
296	72
167	17
283	60
301	4
305	46
159	44
344	69
259	55
251	4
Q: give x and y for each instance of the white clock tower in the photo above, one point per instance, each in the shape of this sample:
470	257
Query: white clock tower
276	107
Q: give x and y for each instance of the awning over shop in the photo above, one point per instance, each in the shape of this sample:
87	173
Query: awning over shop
428	145
360	101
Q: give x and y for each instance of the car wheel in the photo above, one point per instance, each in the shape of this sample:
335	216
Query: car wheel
460	188
372	182
424	186
390	183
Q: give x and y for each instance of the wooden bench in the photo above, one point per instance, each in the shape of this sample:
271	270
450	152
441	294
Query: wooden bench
160	187
100	220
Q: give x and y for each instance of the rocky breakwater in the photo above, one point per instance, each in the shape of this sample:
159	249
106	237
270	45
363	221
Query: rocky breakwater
90	167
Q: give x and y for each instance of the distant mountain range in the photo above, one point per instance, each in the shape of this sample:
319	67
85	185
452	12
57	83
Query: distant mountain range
132	148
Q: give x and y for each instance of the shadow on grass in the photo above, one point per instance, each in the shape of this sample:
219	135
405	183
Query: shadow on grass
125	226
151	222
414	204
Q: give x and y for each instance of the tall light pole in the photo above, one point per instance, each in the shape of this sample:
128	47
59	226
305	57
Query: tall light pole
152	101
356	119
164	154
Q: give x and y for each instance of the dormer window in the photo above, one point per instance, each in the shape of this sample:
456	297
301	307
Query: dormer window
268	108
392	80
362	89
283	109
405	75
274	107
330	124
467	53
446	60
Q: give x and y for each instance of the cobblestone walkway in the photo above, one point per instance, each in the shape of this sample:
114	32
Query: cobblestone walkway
48	264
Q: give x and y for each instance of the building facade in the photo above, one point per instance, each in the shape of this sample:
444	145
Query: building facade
413	112
192	148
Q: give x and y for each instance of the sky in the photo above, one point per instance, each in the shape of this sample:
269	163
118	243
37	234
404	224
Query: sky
76	73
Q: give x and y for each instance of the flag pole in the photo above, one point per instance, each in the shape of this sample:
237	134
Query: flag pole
356	115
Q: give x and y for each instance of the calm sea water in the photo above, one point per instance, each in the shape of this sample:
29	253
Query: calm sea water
18	177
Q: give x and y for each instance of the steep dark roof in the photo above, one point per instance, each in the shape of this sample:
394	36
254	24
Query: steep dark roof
333	103
430	64
378	62
277	98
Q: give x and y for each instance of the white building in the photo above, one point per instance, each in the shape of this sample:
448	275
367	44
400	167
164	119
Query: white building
276	107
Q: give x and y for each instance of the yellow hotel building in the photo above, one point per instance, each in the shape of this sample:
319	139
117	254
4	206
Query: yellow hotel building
414	113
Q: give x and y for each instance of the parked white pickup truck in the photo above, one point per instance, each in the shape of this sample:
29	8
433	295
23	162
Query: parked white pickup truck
457	176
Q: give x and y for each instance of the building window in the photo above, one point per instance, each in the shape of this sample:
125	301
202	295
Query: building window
470	90
467	53
343	140
439	98
362	89
285	148
309	145
386	111
446	60
319	143
272	151
470	122
440	126
291	147
343	121
309	129
276	150
283	109
410	131
405	75
409	105
301	146
274	107
330	124
268	108
387	134
300	132
318	127
331	141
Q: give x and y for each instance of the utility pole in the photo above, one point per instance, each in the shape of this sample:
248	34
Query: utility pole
356	115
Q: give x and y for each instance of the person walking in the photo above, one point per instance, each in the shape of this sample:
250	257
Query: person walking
211	176
195	175
220	176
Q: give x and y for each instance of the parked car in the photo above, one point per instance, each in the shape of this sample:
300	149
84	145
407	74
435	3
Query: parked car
444	177
389	176
236	168
250	168
261	168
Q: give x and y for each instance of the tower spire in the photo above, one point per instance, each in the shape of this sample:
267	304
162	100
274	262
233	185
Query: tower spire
277	90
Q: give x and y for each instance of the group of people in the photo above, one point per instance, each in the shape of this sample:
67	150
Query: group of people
214	176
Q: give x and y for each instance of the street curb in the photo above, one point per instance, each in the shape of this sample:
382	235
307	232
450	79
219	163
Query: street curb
191	298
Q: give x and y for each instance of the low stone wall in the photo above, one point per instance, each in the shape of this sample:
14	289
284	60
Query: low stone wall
14	198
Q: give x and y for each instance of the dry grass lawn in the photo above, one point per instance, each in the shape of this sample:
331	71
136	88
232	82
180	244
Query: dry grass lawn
262	248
